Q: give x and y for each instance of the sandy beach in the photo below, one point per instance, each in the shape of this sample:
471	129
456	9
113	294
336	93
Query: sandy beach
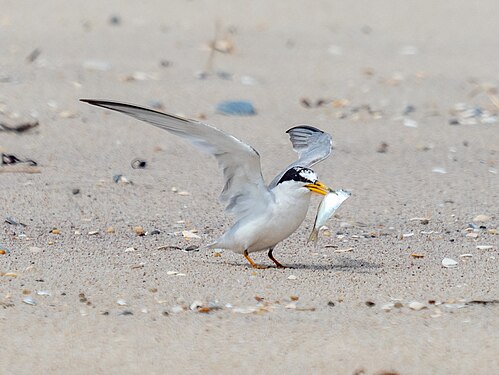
106	277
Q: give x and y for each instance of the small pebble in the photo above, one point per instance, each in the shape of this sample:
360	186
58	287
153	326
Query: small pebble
484	247
119	178
449	263
414	305
29	301
236	108
189	234
292	277
93	232
196	305
439	170
139	231
410	123
121	302
387	306
115	20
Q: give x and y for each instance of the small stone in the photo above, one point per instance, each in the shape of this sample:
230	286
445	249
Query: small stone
115	20
236	108
414	305
130	249
121	302
119	178
294	298
93	232
171	273
126	312
139	231
484	247
75	191
439	170
43	293
330	304
184	193
410	123
417	255
110	230
449	263
196	305
472	235
466	256
387	306
29	301
188	234
292	277
55	231
370	304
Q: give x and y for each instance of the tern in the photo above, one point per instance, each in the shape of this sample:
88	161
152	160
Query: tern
264	214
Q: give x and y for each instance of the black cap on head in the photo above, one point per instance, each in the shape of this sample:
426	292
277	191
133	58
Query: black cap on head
300	174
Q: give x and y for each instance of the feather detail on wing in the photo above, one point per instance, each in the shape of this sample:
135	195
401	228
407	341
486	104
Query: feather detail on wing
311	144
244	189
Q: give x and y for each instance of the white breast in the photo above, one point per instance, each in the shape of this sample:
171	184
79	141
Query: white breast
277	222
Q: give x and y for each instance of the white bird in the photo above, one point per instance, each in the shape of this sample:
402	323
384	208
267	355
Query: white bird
265	214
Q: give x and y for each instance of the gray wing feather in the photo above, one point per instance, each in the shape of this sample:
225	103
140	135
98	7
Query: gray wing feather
311	144
244	189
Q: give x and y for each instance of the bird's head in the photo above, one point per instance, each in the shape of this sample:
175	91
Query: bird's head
304	177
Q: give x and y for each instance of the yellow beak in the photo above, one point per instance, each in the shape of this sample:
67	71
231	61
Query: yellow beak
318	187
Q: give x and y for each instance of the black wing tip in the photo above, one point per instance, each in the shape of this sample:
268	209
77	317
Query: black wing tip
98	102
307	127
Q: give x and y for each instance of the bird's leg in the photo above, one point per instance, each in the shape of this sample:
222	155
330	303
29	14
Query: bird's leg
278	265
253	264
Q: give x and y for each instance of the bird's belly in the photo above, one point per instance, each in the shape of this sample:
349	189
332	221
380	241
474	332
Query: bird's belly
268	231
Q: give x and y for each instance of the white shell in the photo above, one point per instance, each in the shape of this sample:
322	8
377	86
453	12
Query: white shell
449	263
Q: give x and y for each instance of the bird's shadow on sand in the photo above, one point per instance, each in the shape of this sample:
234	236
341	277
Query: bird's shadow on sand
340	264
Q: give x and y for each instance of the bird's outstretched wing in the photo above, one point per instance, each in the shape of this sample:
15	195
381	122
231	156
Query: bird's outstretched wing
244	190
311	144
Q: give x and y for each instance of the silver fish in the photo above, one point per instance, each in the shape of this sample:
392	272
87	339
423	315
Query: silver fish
327	208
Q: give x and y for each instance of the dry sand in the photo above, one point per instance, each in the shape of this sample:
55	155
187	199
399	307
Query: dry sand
369	62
